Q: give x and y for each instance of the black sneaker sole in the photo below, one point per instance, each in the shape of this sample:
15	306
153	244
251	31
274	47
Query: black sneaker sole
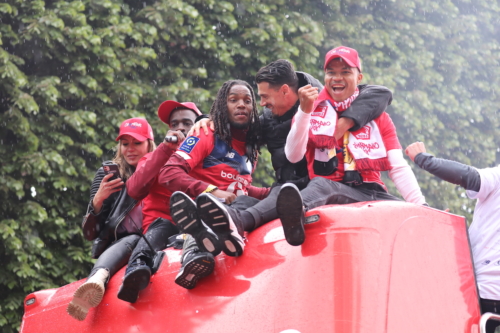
133	283
194	270
184	213
289	206
217	218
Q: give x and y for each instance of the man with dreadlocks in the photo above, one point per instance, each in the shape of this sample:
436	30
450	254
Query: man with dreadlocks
217	164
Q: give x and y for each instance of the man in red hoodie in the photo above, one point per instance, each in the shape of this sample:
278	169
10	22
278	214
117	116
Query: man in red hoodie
143	185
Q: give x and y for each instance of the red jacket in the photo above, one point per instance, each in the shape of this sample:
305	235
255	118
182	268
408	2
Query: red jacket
143	185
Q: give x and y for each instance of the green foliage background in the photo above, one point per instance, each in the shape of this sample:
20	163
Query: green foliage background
71	71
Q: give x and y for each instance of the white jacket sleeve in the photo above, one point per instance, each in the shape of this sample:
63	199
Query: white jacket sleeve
404	178
296	141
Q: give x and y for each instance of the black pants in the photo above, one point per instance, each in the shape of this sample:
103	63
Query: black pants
319	192
158	233
243	202
490	305
116	256
322	191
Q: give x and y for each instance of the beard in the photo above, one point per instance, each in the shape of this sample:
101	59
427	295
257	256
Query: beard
241	126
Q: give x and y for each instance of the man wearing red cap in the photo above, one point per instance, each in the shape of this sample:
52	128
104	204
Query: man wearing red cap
361	154
180	117
143	185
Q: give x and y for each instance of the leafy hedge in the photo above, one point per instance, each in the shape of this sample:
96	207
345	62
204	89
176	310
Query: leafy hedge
71	71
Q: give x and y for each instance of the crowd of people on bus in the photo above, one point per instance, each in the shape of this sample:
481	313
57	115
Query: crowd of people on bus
328	145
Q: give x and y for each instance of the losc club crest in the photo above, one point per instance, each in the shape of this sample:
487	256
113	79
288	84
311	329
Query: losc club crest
320	111
363	133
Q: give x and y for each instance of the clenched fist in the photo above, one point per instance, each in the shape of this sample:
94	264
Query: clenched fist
414	149
307	95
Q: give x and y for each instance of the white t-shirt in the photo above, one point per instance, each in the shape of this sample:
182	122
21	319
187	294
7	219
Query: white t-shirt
484	233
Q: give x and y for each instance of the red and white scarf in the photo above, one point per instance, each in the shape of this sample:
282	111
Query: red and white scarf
367	148
365	145
324	119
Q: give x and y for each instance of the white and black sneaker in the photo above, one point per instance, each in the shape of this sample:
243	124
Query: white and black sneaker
195	264
290	209
184	213
217	216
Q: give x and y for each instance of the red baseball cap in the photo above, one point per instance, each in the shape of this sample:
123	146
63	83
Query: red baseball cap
350	56
138	128
166	108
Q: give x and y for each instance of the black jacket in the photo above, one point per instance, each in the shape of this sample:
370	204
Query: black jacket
371	102
274	133
106	222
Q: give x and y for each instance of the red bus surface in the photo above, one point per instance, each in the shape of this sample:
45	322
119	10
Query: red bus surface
370	267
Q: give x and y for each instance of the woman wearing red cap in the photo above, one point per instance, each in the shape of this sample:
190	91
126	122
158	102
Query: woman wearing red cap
113	218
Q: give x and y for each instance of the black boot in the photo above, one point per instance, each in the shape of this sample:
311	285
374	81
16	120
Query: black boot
136	278
291	213
195	264
224	221
184	213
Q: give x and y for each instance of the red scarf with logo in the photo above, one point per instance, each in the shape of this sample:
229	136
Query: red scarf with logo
324	119
367	147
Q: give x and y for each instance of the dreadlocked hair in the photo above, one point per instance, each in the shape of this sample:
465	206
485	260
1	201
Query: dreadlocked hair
219	115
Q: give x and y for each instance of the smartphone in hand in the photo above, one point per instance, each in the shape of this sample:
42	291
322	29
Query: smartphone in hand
110	167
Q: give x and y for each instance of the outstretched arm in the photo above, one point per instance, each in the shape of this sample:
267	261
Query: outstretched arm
139	184
450	171
175	177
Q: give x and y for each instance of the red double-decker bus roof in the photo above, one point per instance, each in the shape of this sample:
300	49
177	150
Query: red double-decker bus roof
367	267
